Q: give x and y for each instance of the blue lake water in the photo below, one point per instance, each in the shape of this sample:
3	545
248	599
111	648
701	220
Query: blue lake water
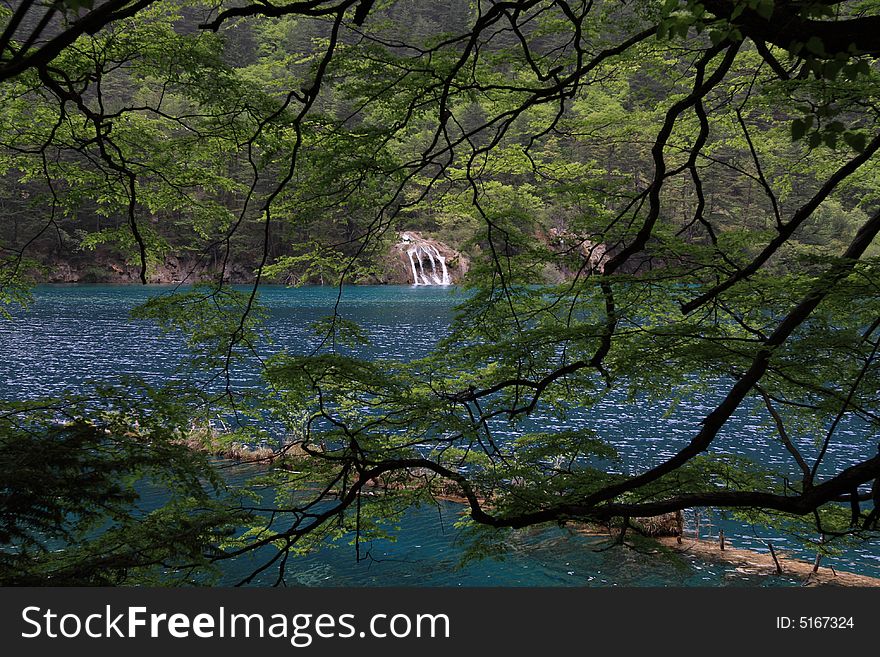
73	334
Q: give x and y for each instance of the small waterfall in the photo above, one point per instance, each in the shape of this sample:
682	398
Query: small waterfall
423	260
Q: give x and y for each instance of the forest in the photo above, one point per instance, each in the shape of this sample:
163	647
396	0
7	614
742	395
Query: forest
672	204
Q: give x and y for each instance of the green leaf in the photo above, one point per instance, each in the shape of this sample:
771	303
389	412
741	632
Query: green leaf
79	4
799	127
815	45
855	140
764	9
831	68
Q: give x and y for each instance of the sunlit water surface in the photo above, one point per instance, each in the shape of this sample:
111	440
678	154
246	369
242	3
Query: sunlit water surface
72	335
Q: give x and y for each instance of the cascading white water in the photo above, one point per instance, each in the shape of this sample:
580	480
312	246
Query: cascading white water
423	259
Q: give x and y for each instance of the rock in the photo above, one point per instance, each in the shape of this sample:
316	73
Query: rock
595	253
105	268
417	260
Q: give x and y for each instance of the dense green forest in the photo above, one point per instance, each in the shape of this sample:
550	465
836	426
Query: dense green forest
186	112
638	196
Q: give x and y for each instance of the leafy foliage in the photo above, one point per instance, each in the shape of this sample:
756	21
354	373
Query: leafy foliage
674	202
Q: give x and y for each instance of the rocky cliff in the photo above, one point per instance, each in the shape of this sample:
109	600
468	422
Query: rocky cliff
417	260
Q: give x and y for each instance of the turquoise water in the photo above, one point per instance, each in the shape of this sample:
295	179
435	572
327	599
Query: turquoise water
73	334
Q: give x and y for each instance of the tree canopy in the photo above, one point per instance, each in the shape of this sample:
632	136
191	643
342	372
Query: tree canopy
670	202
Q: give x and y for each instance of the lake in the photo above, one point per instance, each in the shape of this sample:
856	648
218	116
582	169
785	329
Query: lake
73	334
